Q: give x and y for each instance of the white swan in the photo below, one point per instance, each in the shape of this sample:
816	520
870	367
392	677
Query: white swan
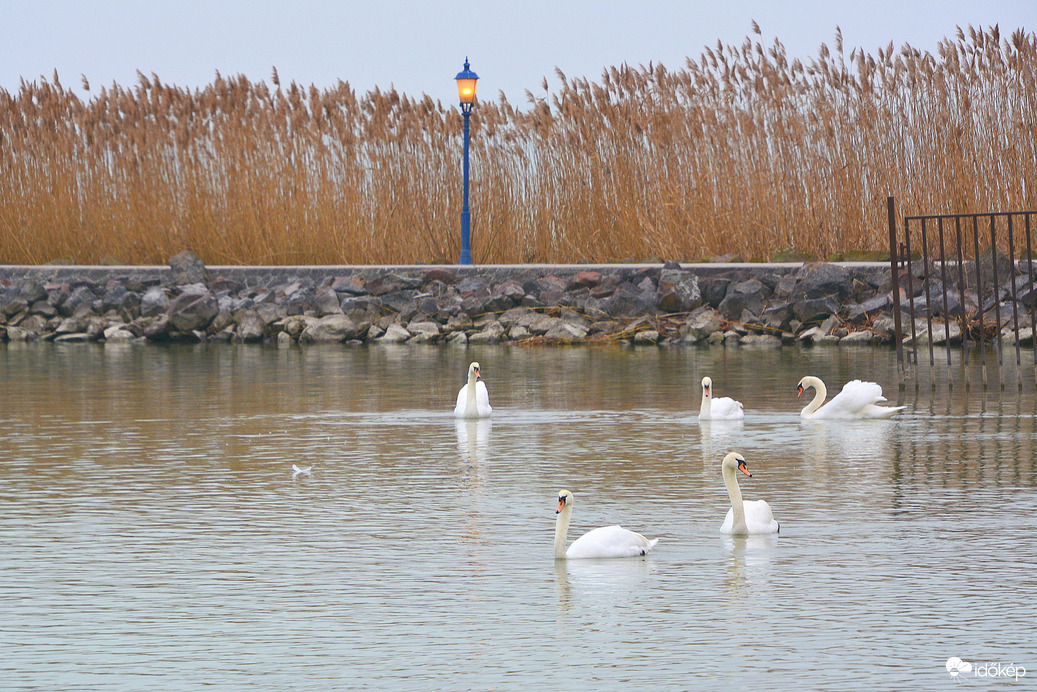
724	408
856	401
473	401
748	517
607	541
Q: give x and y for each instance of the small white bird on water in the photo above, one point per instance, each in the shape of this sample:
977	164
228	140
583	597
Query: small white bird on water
304	470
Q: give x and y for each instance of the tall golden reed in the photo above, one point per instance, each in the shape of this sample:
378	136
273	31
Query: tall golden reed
742	151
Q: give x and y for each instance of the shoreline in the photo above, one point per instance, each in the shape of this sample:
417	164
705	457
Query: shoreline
767	304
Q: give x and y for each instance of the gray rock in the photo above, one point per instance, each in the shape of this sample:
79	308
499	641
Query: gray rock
21	334
859	338
193	309
491	334
702	322
778	316
584	279
883	326
349	285
423	331
71	325
187	268
459	322
761	340
294	325
79	297
32	291
689	294
118	297
808	336
401	301
629	302
564	332
118	333
44	309
860	312
646	337
15	305
394	334
540	323
155	301
940	334
156	328
223	319
812	310
733	305
442	275
251	328
678	291
516	316
713	289
819	280
786	284
331	329
518	333
300	300
984	280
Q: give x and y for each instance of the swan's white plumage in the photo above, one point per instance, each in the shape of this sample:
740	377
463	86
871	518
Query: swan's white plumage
857	400
473	401
720	408
604	542
758	518
744	516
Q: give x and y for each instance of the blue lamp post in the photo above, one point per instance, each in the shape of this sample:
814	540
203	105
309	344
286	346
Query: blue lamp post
466	80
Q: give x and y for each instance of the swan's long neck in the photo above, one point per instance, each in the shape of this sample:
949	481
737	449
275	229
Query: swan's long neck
820	394
738	509
562	530
705	405
470	406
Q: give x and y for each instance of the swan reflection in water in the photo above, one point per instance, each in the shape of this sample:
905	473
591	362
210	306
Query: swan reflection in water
719	437
473	437
750	561
599	582
848	440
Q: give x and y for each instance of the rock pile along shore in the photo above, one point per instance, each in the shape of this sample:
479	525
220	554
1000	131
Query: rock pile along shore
766	304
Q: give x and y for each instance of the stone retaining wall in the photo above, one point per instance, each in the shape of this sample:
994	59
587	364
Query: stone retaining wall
768	304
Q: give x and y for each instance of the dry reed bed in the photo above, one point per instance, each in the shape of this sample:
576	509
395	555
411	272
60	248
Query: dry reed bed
742	151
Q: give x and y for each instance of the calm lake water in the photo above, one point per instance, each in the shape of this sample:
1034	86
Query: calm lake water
153	535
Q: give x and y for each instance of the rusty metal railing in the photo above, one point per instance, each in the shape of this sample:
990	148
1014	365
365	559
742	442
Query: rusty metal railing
968	297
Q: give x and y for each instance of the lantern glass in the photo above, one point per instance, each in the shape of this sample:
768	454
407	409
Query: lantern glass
466	90
466	80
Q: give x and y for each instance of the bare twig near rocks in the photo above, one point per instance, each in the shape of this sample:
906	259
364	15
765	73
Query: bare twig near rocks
754	304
